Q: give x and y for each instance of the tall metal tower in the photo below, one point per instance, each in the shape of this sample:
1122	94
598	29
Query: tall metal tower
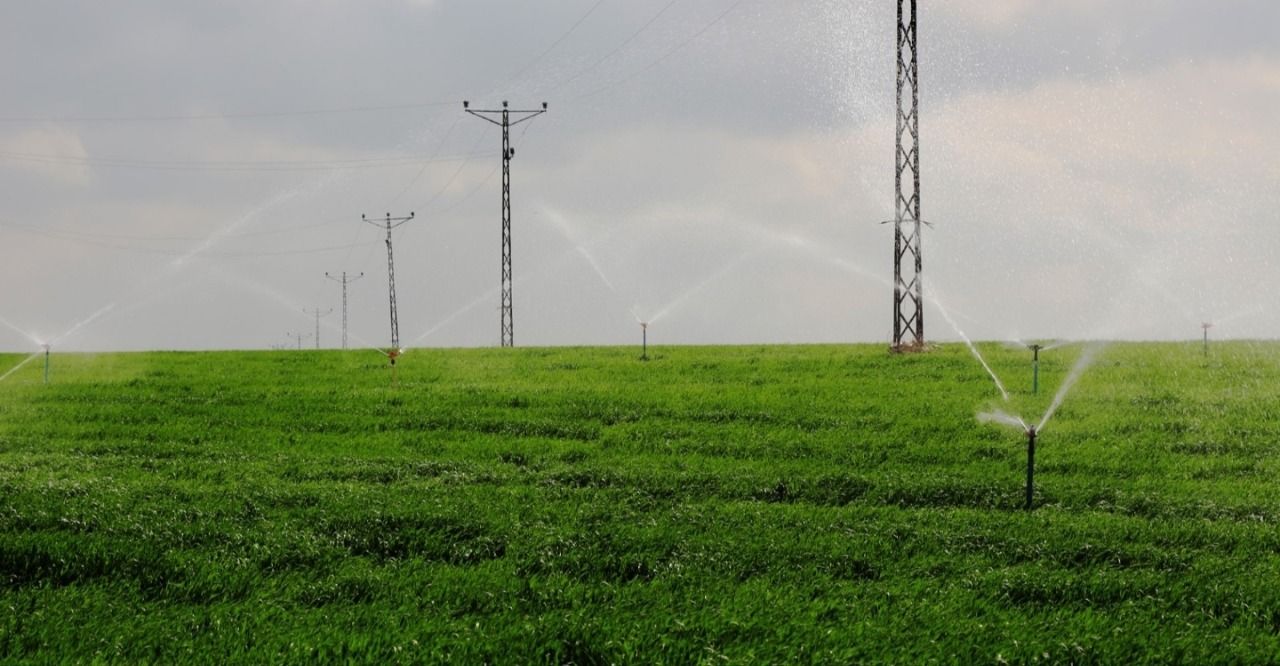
908	292
345	281
391	223
502	118
318	313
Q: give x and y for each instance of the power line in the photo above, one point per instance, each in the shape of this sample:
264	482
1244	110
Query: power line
553	46
172	253
616	49
664	56
224	116
264	165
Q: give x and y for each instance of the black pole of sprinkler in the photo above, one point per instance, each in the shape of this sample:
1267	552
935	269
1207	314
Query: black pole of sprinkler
644	341
1031	464
1206	327
1035	368
46	364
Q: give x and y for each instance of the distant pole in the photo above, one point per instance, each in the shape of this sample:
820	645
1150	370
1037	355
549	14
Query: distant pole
391	223
345	281
299	337
502	118
46	363
1031	465
318	313
1206	326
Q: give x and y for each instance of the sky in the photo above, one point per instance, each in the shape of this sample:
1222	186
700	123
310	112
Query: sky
182	175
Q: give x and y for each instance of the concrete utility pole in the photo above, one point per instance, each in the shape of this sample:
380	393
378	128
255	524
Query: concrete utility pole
502	118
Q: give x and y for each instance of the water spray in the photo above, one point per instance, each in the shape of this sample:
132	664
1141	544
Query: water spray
1206	326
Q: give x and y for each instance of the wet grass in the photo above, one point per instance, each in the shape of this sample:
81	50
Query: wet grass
766	504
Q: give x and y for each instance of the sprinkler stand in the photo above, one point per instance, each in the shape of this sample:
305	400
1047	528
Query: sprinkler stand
1206	326
46	363
644	341
1031	464
1035	368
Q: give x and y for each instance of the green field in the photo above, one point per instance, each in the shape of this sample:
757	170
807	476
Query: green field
743	504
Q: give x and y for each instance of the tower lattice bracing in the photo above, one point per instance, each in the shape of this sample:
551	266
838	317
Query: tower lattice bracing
908	291
502	118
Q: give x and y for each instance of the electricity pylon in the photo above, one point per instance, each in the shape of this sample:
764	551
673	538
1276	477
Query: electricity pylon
391	223
299	337
908	292
345	281
502	118
318	313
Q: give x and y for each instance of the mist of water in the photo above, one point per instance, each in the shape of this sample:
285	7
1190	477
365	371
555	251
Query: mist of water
24	333
20	364
687	294
1086	359
997	416
972	349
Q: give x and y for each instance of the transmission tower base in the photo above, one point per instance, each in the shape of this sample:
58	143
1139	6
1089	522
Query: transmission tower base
911	348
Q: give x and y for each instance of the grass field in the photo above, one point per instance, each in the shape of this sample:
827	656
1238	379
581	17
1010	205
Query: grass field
740	504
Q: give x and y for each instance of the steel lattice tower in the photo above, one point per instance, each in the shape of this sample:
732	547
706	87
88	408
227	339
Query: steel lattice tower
908	292
502	118
345	281
391	223
318	313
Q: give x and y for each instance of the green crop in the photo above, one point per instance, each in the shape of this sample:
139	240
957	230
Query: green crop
829	504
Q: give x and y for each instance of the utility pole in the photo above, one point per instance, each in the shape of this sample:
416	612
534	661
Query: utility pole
299	337
908	293
502	118
318	313
391	223
345	281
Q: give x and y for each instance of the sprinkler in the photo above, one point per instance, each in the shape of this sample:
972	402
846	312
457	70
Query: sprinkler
1206	326
1035	367
1031	464
644	341
45	346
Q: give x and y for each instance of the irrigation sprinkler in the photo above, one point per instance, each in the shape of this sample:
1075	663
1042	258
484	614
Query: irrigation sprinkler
1031	465
644	341
1206	326
1035	367
45	346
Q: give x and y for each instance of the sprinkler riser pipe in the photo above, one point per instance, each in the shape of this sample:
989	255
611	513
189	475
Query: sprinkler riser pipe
1031	466
46	365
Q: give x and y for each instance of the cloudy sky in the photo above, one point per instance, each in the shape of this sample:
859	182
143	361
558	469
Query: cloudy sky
181	175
